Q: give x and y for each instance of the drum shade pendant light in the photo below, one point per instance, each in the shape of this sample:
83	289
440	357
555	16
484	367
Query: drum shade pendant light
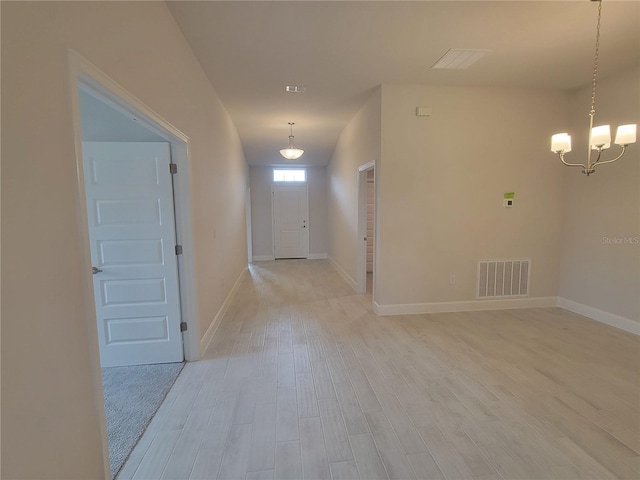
291	152
599	137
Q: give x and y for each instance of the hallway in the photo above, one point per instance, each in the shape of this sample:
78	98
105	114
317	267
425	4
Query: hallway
302	380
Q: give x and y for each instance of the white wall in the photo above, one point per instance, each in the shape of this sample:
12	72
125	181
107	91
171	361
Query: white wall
51	423
441	181
359	143
261	179
601	254
318	224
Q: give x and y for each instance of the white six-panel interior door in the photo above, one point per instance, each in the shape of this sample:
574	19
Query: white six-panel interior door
132	233
290	225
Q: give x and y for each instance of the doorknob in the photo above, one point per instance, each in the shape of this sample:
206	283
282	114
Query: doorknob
95	270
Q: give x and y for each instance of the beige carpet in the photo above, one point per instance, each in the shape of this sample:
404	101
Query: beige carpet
132	396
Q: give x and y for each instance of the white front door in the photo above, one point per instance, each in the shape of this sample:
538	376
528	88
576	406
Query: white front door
290	226
132	232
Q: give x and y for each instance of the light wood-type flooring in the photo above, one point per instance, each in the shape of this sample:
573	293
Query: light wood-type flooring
303	381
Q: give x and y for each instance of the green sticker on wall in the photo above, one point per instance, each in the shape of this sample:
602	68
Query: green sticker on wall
509	195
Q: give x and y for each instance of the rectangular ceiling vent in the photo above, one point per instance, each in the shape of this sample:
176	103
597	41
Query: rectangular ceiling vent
458	59
295	89
503	278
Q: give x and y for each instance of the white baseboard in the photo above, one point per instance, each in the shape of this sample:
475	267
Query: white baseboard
345	276
208	336
601	316
475	305
262	258
269	258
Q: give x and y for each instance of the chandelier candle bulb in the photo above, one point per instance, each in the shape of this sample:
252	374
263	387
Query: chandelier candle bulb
561	142
626	134
601	137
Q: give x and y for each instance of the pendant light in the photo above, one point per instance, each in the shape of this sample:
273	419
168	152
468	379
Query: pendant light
291	152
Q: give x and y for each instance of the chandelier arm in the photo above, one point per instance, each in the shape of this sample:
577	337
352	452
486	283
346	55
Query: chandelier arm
598	162
591	115
561	155
592	165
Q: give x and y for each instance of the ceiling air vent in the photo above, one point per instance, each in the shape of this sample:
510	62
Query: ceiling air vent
295	89
456	59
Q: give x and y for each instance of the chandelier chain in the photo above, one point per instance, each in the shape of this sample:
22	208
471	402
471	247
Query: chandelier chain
595	62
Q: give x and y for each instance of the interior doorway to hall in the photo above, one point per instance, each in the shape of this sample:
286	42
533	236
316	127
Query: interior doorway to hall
124	163
135	213
371	202
366	242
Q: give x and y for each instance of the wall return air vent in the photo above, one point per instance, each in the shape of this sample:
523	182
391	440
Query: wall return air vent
503	278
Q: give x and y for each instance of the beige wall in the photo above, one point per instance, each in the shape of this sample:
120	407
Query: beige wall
261	179
601	255
50	417
359	143
441	181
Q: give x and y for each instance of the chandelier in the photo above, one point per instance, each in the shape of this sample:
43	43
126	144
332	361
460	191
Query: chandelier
600	136
291	152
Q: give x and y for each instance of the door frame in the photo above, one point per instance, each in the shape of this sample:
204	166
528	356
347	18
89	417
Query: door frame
86	76
273	216
361	269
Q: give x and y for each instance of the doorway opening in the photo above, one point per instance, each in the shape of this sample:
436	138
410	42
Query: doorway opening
371	208
247	214
366	242
111	129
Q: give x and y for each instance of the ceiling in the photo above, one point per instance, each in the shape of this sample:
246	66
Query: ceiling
342	50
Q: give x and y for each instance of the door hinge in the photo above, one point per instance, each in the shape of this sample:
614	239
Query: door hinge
178	249
183	326
173	168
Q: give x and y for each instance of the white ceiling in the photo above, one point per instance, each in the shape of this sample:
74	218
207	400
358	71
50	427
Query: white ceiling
342	50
